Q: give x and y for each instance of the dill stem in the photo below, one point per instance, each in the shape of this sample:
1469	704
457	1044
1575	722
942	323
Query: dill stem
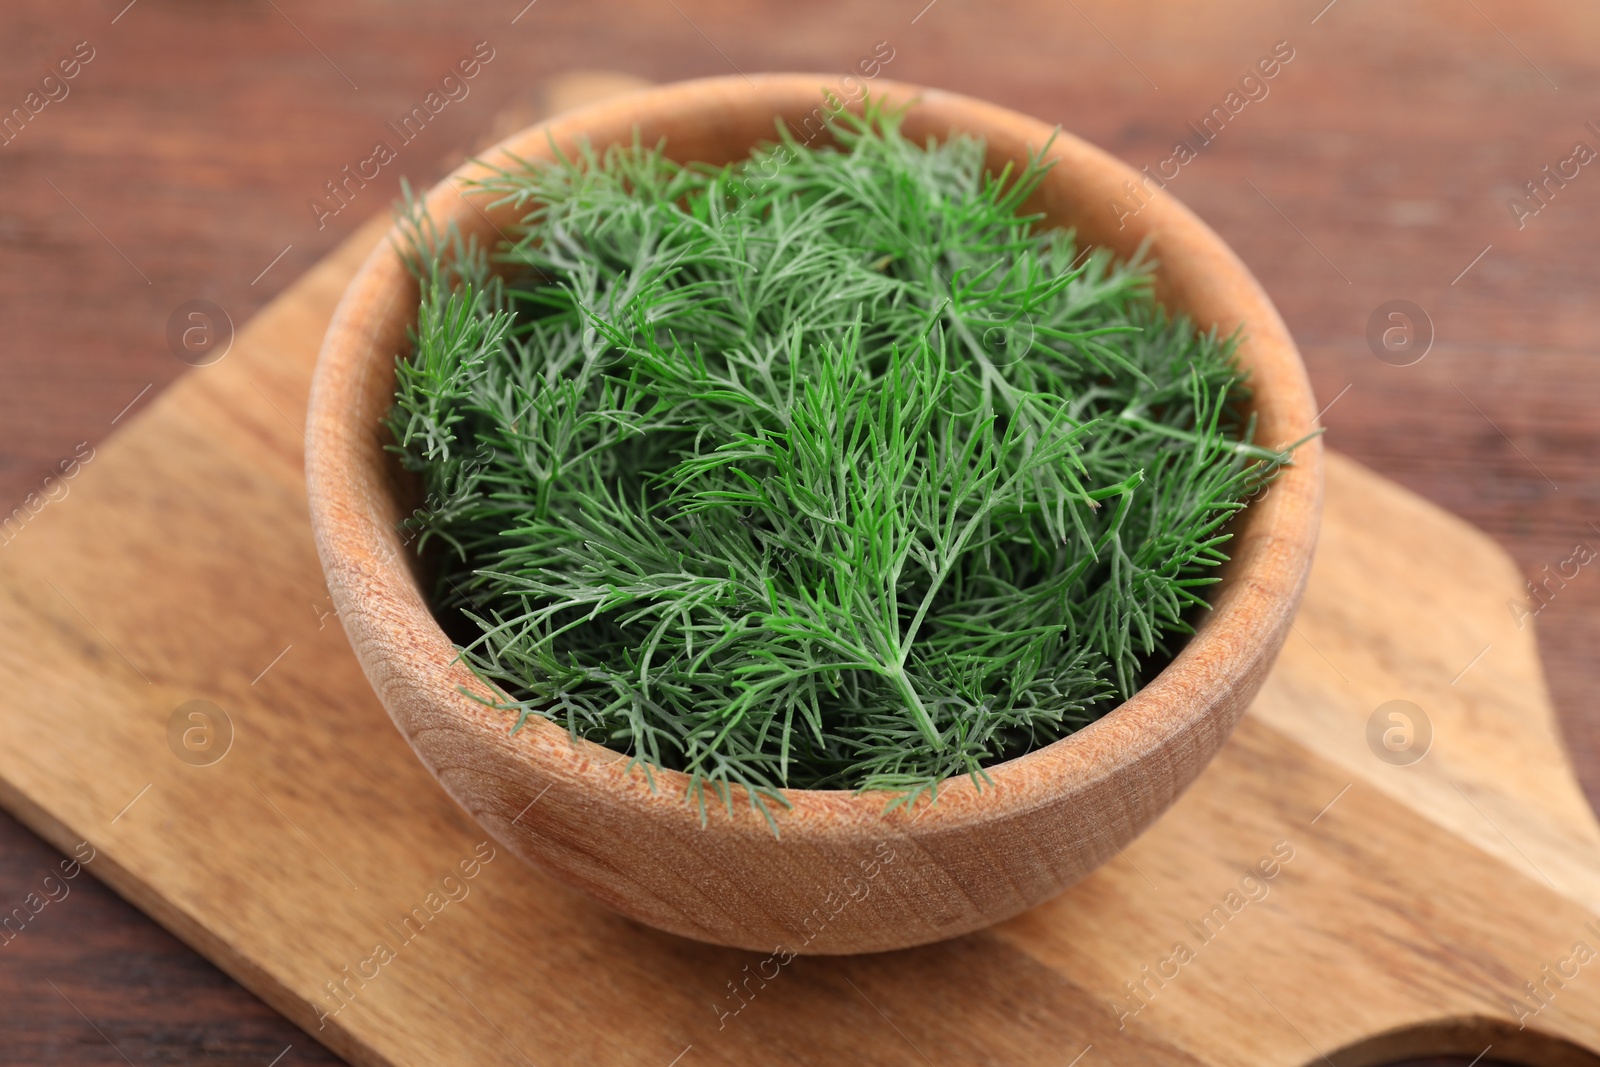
1240	448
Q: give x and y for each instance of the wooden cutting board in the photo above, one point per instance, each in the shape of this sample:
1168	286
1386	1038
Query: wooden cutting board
1410	902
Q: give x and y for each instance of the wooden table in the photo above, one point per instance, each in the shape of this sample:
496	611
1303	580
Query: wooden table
1379	166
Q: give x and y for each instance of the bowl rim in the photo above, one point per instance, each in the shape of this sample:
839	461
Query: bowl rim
410	661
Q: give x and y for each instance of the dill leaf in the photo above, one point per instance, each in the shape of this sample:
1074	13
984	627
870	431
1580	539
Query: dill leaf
826	469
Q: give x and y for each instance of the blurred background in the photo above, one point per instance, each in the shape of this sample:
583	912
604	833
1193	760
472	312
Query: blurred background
1427	160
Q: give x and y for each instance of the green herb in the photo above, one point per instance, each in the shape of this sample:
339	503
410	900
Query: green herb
828	469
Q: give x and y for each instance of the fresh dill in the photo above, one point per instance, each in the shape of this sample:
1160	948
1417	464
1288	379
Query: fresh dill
828	469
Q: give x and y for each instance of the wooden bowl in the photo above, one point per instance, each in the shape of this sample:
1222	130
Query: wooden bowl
844	876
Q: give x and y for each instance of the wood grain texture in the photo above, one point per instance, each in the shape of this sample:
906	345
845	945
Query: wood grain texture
318	862
1391	143
979	854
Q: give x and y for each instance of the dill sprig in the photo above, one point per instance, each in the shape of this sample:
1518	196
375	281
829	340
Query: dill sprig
827	469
